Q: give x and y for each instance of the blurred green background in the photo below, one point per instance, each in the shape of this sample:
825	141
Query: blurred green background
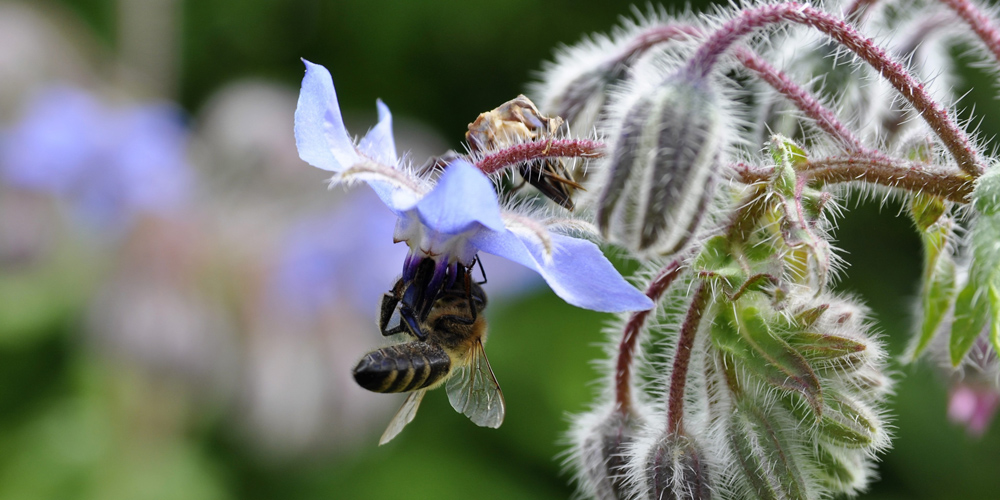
74	426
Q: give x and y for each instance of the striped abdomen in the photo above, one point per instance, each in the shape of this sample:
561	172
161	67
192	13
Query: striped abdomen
402	368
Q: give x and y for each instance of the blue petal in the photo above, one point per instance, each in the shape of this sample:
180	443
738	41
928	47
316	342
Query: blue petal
378	144
55	142
578	272
462	200
320	135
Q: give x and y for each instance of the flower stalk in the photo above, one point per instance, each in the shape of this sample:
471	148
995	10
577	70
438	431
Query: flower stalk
630	336
944	126
682	360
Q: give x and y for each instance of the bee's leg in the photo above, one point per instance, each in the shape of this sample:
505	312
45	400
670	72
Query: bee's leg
410	320
468	294
481	269
387	309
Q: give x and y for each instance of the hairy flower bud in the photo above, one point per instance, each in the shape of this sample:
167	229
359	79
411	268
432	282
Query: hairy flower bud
766	454
675	469
661	171
843	471
576	84
602	452
808	383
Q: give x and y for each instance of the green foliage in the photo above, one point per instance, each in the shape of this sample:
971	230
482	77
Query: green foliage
762	449
939	275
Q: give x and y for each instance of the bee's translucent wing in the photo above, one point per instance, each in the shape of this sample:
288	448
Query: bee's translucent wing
403	416
474	391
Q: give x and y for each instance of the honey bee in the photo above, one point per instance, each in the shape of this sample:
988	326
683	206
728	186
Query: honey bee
519	120
452	352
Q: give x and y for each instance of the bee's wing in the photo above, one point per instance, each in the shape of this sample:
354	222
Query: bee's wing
403	416
474	391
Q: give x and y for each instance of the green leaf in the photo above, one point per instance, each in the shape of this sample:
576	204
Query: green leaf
755	283
786	155
750	340
985	237
715	261
938	292
972	312
926	209
995	318
986	194
845	422
797	222
848	423
827	348
716	254
764	454
841	470
807	317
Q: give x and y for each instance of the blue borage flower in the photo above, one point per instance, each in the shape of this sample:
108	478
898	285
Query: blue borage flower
447	222
108	163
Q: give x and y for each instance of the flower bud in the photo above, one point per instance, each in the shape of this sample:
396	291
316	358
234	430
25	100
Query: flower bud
843	471
661	171
602	452
675	469
768	460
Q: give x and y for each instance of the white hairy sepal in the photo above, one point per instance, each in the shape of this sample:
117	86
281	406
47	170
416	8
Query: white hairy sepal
659	177
576	85
835	316
601	441
671	467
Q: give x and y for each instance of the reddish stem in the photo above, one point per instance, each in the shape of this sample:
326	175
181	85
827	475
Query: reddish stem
910	176
858	10
980	23
630	337
824	118
655	36
540	150
953	137
682	359
805	101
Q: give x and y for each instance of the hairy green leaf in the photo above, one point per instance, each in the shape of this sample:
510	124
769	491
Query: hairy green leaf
764	454
746	335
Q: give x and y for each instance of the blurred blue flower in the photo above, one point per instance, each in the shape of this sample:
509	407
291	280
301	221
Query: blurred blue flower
446	224
335	257
109	164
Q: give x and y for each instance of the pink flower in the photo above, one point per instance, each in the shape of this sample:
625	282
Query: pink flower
973	406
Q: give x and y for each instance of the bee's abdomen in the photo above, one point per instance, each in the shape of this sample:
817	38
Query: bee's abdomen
402	368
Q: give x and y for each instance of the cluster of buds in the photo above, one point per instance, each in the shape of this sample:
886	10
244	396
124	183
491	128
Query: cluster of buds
743	375
751	379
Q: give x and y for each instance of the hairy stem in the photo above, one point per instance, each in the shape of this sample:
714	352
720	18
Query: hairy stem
980	23
540	150
630	336
953	137
682	360
825	118
858	10
909	176
801	98
656	35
